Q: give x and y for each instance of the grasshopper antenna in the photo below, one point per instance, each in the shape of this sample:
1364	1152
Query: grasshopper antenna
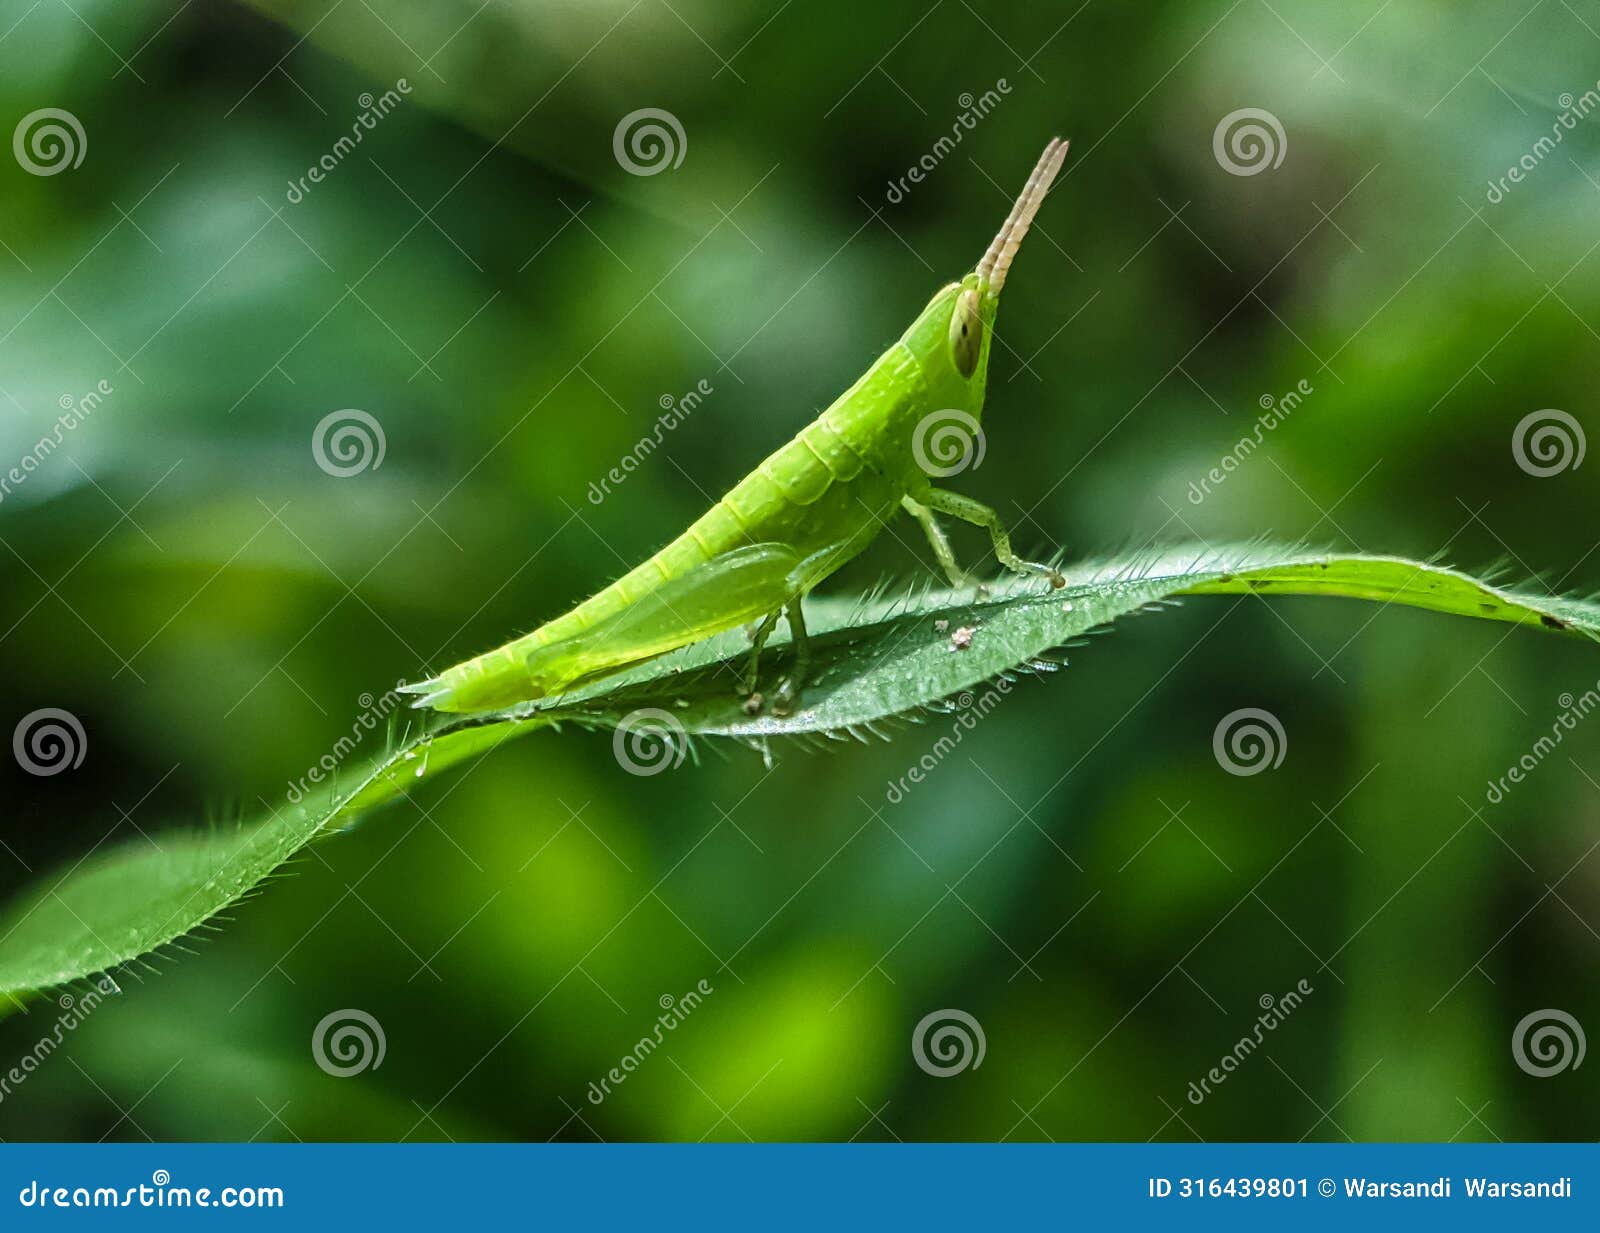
997	260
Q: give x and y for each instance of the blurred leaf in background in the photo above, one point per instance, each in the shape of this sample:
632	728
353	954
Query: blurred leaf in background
1347	276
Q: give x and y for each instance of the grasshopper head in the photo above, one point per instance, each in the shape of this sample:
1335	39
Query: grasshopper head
978	301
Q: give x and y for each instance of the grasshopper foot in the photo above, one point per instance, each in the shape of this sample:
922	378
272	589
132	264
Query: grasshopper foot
786	695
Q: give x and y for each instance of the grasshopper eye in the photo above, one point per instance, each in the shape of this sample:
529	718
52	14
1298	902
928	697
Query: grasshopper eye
966	332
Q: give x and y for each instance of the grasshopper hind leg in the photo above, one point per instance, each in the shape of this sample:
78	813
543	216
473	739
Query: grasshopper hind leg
758	641
789	689
796	586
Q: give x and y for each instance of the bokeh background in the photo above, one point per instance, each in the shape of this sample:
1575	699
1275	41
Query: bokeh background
484	278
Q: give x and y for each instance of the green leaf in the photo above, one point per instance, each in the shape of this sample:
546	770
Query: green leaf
872	661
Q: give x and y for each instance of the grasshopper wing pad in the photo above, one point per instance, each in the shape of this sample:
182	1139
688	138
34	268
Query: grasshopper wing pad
729	589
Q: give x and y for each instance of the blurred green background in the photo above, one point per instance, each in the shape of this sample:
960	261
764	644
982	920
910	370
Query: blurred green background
510	304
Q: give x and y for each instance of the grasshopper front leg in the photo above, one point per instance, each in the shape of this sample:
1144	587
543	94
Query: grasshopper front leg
979	514
938	542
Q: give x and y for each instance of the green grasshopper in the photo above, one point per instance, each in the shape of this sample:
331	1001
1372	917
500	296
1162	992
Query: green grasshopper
794	520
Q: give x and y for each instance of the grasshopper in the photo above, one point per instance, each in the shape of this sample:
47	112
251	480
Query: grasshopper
805	511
